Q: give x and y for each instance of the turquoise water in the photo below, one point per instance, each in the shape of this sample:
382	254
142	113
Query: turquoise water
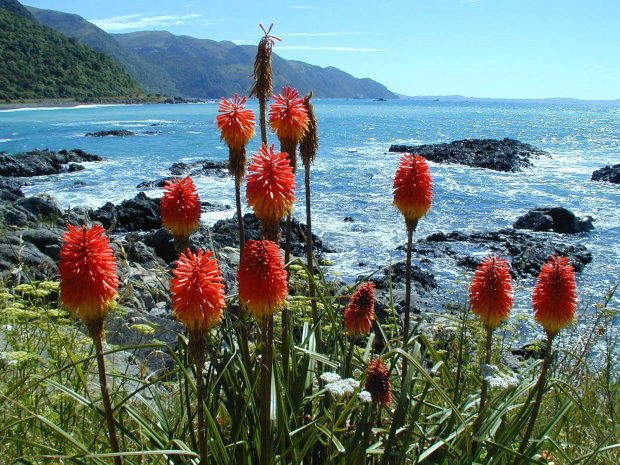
353	172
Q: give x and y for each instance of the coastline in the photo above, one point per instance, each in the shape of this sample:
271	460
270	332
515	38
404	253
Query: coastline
39	104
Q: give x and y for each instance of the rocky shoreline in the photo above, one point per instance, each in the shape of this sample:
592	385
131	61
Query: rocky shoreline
33	229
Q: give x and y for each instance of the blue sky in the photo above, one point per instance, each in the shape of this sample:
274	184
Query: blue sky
475	48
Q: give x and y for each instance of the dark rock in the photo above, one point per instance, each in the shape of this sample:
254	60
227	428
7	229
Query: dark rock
536	351
203	167
18	255
11	216
557	219
348	219
162	241
43	238
41	206
528	251
41	162
73	167
138	214
499	155
113	132
226	234
156	183
608	173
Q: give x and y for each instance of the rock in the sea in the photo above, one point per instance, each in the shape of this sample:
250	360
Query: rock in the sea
608	173
528	251
43	162
499	155
203	167
113	132
556	219
196	169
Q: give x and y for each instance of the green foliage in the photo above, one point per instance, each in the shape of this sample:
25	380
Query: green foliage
152	79
38	62
51	407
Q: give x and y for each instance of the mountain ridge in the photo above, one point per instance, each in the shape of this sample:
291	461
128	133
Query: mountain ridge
181	65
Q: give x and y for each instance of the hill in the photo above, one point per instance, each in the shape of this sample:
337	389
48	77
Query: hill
40	63
153	80
180	65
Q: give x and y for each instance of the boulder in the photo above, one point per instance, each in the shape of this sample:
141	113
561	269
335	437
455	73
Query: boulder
608	173
557	219
499	155
113	132
43	162
138	214
41	206
528	251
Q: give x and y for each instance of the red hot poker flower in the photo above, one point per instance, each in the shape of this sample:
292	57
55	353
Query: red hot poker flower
263	284
555	294
360	313
413	188
236	123
180	208
87	268
197	290
271	185
288	115
378	382
491	292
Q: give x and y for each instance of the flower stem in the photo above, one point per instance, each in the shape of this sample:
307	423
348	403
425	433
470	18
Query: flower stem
539	393
239	214
202	435
410	229
265	401
487	361
310	262
96	331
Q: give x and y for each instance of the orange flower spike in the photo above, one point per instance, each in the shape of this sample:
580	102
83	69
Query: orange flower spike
197	290
87	268
180	207
413	188
360	313
263	283
491	293
378	382
288	115
236	123
555	294
271	185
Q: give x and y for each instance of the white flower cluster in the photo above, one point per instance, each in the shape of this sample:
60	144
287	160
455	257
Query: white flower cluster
337	386
497	379
365	397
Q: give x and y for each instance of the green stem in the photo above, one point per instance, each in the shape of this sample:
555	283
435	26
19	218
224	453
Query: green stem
348	369
310	262
239	215
202	433
97	333
539	393
265	401
410	229
487	361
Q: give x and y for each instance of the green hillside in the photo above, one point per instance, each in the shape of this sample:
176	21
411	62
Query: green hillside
152	79
210	69
40	63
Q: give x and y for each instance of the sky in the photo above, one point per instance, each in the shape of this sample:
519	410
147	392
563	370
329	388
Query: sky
475	48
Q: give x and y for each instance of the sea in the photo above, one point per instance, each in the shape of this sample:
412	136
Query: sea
353	173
